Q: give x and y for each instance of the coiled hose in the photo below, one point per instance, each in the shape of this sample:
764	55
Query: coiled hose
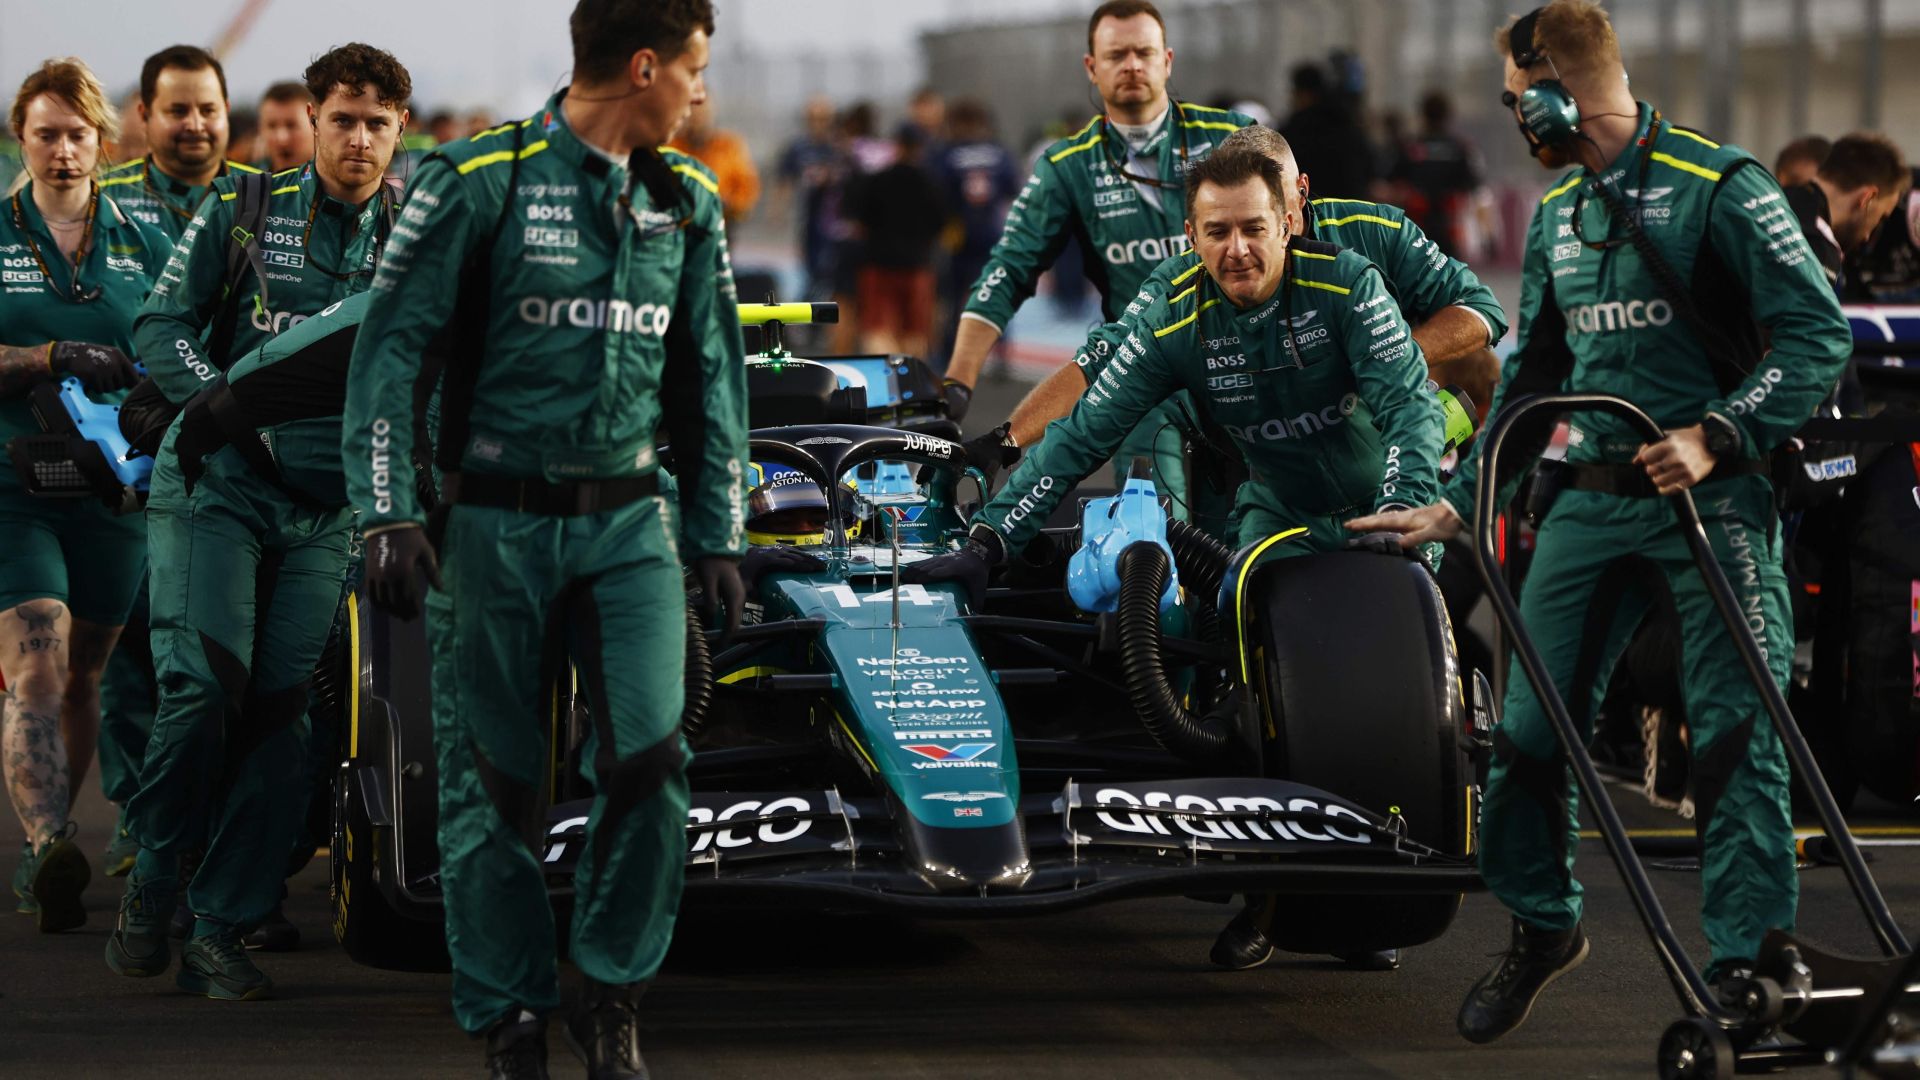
1205	737
699	676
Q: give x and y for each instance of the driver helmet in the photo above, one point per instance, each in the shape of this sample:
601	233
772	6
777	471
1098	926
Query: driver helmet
786	508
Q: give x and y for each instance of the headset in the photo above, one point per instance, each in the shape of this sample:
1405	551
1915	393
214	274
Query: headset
1549	117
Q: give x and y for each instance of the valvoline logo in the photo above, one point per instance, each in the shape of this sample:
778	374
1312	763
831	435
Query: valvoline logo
961	752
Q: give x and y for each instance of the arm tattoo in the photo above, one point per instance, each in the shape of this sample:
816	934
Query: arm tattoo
21	366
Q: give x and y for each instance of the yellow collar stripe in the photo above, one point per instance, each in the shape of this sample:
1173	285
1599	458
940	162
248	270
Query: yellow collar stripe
1685	166
1343	291
688	170
1334	223
1188	272
1572	182
1702	140
1072	150
1185	321
499	156
1314	255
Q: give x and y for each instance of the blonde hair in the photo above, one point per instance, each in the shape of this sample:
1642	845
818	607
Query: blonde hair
1575	34
69	79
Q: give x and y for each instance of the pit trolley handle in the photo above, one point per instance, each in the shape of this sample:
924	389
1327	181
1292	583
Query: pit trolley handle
1687	979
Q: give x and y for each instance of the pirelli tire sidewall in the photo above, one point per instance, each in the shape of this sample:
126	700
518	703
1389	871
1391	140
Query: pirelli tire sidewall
1360	687
365	922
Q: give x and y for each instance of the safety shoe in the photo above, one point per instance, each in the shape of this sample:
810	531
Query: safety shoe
22	878
60	875
517	1047
216	964
1503	997
1373	960
138	945
117	860
1242	945
274	934
603	1031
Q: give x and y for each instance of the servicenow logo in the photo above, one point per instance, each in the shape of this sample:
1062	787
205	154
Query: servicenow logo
617	316
1614	315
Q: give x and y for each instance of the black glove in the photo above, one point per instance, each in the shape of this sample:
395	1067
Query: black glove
1380	543
968	566
959	397
393	555
776	559
718	577
99	367
993	453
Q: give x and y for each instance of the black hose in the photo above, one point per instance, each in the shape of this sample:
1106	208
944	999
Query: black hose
1202	560
699	676
1205	738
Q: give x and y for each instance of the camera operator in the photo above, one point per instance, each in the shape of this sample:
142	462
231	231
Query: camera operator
77	268
1604	307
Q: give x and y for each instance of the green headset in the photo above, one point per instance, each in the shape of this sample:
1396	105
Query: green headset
1549	117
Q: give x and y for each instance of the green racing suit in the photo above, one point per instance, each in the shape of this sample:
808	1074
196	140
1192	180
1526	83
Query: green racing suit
1422	279
1595	318
151	197
250	544
1322	388
1079	191
579	305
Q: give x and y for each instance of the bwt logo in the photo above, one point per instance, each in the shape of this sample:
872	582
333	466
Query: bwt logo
1152	249
1614	315
616	316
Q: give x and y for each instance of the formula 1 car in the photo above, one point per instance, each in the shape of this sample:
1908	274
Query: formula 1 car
1131	712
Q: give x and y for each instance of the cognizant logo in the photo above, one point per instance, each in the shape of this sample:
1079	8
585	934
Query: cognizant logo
1614	315
1153	249
616	316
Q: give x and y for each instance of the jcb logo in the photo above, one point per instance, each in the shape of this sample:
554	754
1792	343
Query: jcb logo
1229	382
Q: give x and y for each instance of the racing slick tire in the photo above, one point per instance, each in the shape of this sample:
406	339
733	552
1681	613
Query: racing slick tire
1354	662
365	921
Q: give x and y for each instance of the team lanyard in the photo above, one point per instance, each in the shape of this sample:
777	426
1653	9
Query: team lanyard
73	295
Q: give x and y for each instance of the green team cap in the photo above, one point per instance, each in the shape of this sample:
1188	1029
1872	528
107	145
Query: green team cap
1457	407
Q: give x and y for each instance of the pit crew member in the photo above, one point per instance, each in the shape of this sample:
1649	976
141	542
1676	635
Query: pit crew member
1599	314
76	270
575	283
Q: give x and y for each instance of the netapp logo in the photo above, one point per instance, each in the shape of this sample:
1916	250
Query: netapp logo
617	316
1614	315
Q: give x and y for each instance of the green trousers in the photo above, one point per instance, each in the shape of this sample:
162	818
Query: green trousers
243	587
127	694
525	594
1529	821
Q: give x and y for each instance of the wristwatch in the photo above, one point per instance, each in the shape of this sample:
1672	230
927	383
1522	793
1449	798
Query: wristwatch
1723	439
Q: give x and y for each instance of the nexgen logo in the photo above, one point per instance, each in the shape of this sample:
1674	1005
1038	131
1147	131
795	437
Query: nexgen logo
1153	249
1614	315
617	316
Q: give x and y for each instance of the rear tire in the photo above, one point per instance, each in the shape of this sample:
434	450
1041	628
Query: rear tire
1361	692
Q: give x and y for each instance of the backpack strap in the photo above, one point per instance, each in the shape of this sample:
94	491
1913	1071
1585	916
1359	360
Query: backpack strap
251	197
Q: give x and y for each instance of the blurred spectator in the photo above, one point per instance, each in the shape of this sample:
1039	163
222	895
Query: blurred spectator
1799	160
1327	137
1887	271
900	214
1436	175
443	127
479	120
132	143
1860	181
927	110
809	167
726	154
286	131
243	136
978	179
863	154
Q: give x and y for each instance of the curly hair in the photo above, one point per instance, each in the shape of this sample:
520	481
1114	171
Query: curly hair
355	65
606	33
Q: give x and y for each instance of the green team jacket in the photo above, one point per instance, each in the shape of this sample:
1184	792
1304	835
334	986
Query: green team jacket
292	390
316	251
1076	192
154	198
124	259
1422	279
606	315
1322	388
1594	318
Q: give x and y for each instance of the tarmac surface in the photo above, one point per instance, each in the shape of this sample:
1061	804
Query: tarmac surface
1121	990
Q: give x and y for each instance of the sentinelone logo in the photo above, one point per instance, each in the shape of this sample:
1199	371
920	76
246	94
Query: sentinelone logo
1615	315
617	316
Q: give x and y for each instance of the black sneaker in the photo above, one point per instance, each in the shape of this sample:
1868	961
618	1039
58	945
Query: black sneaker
517	1047
274	934
138	945
603	1031
59	876
1503	997
1243	944
217	965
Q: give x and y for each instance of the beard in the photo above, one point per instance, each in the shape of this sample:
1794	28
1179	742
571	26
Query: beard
1553	158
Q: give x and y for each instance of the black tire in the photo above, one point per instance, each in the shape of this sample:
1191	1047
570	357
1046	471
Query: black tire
371	930
1356	670
1696	1049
